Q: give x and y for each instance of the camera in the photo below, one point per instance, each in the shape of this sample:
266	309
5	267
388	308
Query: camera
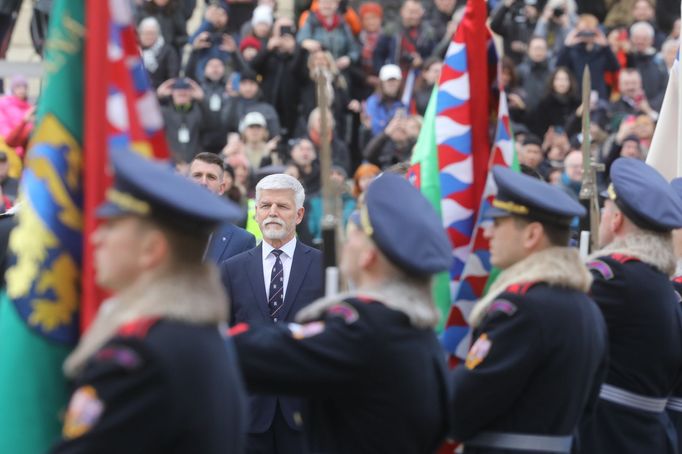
216	38
407	58
287	30
558	12
586	34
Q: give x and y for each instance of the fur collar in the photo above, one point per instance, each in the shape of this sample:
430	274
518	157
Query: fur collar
192	295
555	266
652	248
412	300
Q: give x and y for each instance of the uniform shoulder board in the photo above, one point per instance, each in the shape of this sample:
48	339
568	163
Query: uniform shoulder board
138	328
502	306
601	267
520	288
623	258
344	310
238	329
120	355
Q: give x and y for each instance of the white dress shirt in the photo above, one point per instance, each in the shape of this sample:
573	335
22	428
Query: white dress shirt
287	257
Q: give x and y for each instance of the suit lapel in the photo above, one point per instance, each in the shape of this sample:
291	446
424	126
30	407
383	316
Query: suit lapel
255	273
299	269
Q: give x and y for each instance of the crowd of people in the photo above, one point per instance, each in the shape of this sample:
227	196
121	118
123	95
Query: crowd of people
565	355
243	84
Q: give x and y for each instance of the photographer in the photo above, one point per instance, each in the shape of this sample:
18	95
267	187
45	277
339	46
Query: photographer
211	39
514	21
556	21
410	43
283	65
183	117
394	144
587	45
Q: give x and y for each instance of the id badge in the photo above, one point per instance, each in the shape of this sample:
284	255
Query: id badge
183	134
215	102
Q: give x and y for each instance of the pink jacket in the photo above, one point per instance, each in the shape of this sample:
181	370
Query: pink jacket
12	112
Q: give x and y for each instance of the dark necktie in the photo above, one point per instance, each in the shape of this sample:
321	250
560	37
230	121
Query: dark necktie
276	300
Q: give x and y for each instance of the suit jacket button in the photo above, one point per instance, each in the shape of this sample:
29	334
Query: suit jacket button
275	319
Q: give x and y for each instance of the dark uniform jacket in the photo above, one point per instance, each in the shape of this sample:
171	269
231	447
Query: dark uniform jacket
375	383
643	318
674	407
158	386
537	360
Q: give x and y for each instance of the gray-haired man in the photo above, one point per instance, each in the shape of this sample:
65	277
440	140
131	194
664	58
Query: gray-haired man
270	284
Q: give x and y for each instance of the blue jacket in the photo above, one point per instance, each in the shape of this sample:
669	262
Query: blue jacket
380	112
228	240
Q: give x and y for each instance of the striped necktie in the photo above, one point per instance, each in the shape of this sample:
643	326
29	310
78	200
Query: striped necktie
276	300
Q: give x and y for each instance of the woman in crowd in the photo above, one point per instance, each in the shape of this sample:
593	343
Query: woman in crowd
337	92
424	86
516	97
327	29
559	103
362	177
159	58
171	19
258	149
15	108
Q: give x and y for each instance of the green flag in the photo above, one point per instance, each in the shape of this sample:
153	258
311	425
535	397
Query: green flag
425	165
39	311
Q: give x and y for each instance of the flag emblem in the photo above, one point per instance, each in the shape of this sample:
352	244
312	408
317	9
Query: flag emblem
478	351
84	411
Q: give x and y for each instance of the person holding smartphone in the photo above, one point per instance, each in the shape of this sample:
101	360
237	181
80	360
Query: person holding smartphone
585	45
283	65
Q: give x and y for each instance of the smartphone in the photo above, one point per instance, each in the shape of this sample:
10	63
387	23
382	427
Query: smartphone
586	34
287	30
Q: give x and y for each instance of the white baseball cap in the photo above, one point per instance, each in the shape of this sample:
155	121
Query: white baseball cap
389	72
252	119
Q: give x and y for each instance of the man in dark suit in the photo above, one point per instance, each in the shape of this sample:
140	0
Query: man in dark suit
368	361
227	239
270	284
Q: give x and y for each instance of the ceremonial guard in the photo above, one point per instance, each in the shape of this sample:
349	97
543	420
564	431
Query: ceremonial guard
368	361
539	342
632	287
677	242
153	374
674	405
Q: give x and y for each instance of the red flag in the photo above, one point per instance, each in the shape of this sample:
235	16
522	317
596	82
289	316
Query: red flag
121	111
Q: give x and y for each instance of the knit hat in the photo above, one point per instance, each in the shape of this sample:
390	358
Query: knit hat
250	41
371	8
222	4
18	79
262	14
